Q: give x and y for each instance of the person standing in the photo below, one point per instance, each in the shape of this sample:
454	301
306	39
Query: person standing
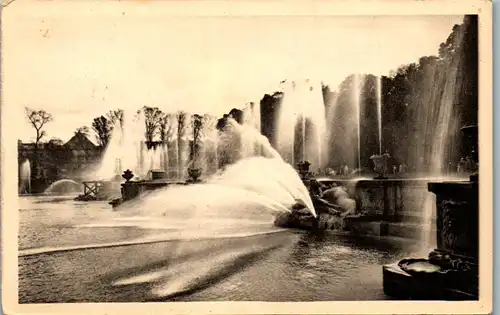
461	166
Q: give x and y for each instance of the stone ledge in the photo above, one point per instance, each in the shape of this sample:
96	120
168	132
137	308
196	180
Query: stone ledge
382	228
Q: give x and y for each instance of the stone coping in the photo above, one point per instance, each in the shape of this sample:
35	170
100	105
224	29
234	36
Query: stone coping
453	187
390	182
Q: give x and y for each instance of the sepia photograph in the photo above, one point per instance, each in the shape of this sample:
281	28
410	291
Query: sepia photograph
159	152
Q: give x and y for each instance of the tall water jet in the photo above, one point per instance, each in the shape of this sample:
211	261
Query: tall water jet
379	113
357	106
323	132
249	146
25	177
184	134
124	145
441	121
210	140
331	113
303	156
164	153
287	117
302	122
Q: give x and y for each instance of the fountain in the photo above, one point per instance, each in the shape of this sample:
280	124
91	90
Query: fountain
64	186
303	108
25	177
389	205
357	104
240	134
379	113
451	271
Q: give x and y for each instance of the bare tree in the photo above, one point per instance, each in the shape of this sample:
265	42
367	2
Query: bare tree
38	119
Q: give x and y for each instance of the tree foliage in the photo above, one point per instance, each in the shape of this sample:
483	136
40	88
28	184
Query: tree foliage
197	127
83	131
103	127
152	119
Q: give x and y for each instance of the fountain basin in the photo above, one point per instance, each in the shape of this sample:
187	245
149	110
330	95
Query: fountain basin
384	207
387	207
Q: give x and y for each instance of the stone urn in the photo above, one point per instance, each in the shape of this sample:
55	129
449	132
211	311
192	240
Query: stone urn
380	163
303	168
128	175
194	174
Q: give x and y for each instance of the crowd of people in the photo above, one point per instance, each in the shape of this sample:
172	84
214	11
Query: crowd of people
465	165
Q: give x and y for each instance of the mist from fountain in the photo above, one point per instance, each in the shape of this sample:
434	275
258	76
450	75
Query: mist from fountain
241	200
25	177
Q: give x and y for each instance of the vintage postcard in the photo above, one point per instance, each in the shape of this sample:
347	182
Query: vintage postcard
246	157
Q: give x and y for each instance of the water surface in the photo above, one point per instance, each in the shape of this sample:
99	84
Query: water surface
255	262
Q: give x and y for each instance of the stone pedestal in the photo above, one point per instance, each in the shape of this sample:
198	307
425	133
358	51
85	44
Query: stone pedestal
130	190
457	249
194	175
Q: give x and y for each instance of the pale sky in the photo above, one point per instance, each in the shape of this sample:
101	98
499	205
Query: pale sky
80	64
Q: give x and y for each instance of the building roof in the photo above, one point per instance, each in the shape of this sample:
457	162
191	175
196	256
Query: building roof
80	142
